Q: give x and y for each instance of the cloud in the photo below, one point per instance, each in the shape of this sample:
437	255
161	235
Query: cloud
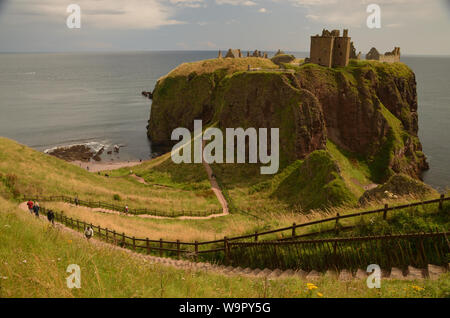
353	12
189	3
246	3
101	14
263	10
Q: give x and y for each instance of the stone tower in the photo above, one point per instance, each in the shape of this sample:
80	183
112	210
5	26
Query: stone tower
330	49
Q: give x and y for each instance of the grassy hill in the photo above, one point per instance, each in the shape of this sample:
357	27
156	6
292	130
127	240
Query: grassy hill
34	257
24	171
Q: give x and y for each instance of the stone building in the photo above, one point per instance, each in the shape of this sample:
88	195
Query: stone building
330	49
389	57
353	54
234	53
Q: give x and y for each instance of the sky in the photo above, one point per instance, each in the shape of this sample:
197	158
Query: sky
417	26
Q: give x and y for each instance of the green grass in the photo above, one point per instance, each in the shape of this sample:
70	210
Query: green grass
113	273
24	171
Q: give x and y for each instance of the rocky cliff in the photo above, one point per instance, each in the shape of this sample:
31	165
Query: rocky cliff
368	109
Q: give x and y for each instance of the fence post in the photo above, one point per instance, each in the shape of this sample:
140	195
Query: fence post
178	249
114	236
196	250
147	244
78	224
160	247
225	246
293	229
441	201
134	243
123	239
336	227
256	236
106	232
386	206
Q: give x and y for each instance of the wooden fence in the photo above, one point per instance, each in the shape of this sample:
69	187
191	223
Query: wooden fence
121	208
418	249
218	249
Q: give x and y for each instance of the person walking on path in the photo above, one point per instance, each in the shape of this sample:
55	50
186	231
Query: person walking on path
30	206
88	232
51	217
126	209
76	201
36	209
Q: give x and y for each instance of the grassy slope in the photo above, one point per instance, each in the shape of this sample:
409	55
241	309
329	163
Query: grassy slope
34	258
34	173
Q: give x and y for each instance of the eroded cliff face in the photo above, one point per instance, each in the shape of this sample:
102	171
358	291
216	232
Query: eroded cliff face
368	109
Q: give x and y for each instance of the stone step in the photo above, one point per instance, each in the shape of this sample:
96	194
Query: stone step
435	271
415	273
287	273
275	273
301	273
255	272
361	274
396	273
265	272
313	275
345	275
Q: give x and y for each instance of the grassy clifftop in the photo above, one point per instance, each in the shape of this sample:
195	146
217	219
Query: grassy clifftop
364	115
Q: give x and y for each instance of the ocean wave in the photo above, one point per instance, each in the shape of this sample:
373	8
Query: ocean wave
95	146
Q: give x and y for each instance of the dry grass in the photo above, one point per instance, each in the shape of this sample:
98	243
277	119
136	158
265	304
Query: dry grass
228	64
38	174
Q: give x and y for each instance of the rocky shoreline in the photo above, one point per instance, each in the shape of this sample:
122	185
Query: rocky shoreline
81	153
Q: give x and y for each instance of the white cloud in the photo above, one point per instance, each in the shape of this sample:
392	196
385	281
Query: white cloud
101	14
263	10
189	3
246	3
353	13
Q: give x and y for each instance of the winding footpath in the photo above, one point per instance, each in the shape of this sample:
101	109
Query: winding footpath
431	272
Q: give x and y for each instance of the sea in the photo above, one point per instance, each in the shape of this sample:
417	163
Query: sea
50	100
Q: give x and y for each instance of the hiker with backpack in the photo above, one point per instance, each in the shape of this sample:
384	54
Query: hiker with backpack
30	206
36	208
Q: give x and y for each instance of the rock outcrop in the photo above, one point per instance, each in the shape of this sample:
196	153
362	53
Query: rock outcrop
367	108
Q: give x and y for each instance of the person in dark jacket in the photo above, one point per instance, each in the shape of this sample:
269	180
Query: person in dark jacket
36	209
51	217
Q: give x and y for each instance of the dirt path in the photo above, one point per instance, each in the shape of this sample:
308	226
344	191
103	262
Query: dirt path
145	216
215	186
432	272
102	166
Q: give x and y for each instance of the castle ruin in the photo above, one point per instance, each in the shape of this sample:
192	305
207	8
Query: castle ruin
237	53
330	49
389	57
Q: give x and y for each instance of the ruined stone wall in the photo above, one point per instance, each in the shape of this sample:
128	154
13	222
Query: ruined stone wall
341	52
321	51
